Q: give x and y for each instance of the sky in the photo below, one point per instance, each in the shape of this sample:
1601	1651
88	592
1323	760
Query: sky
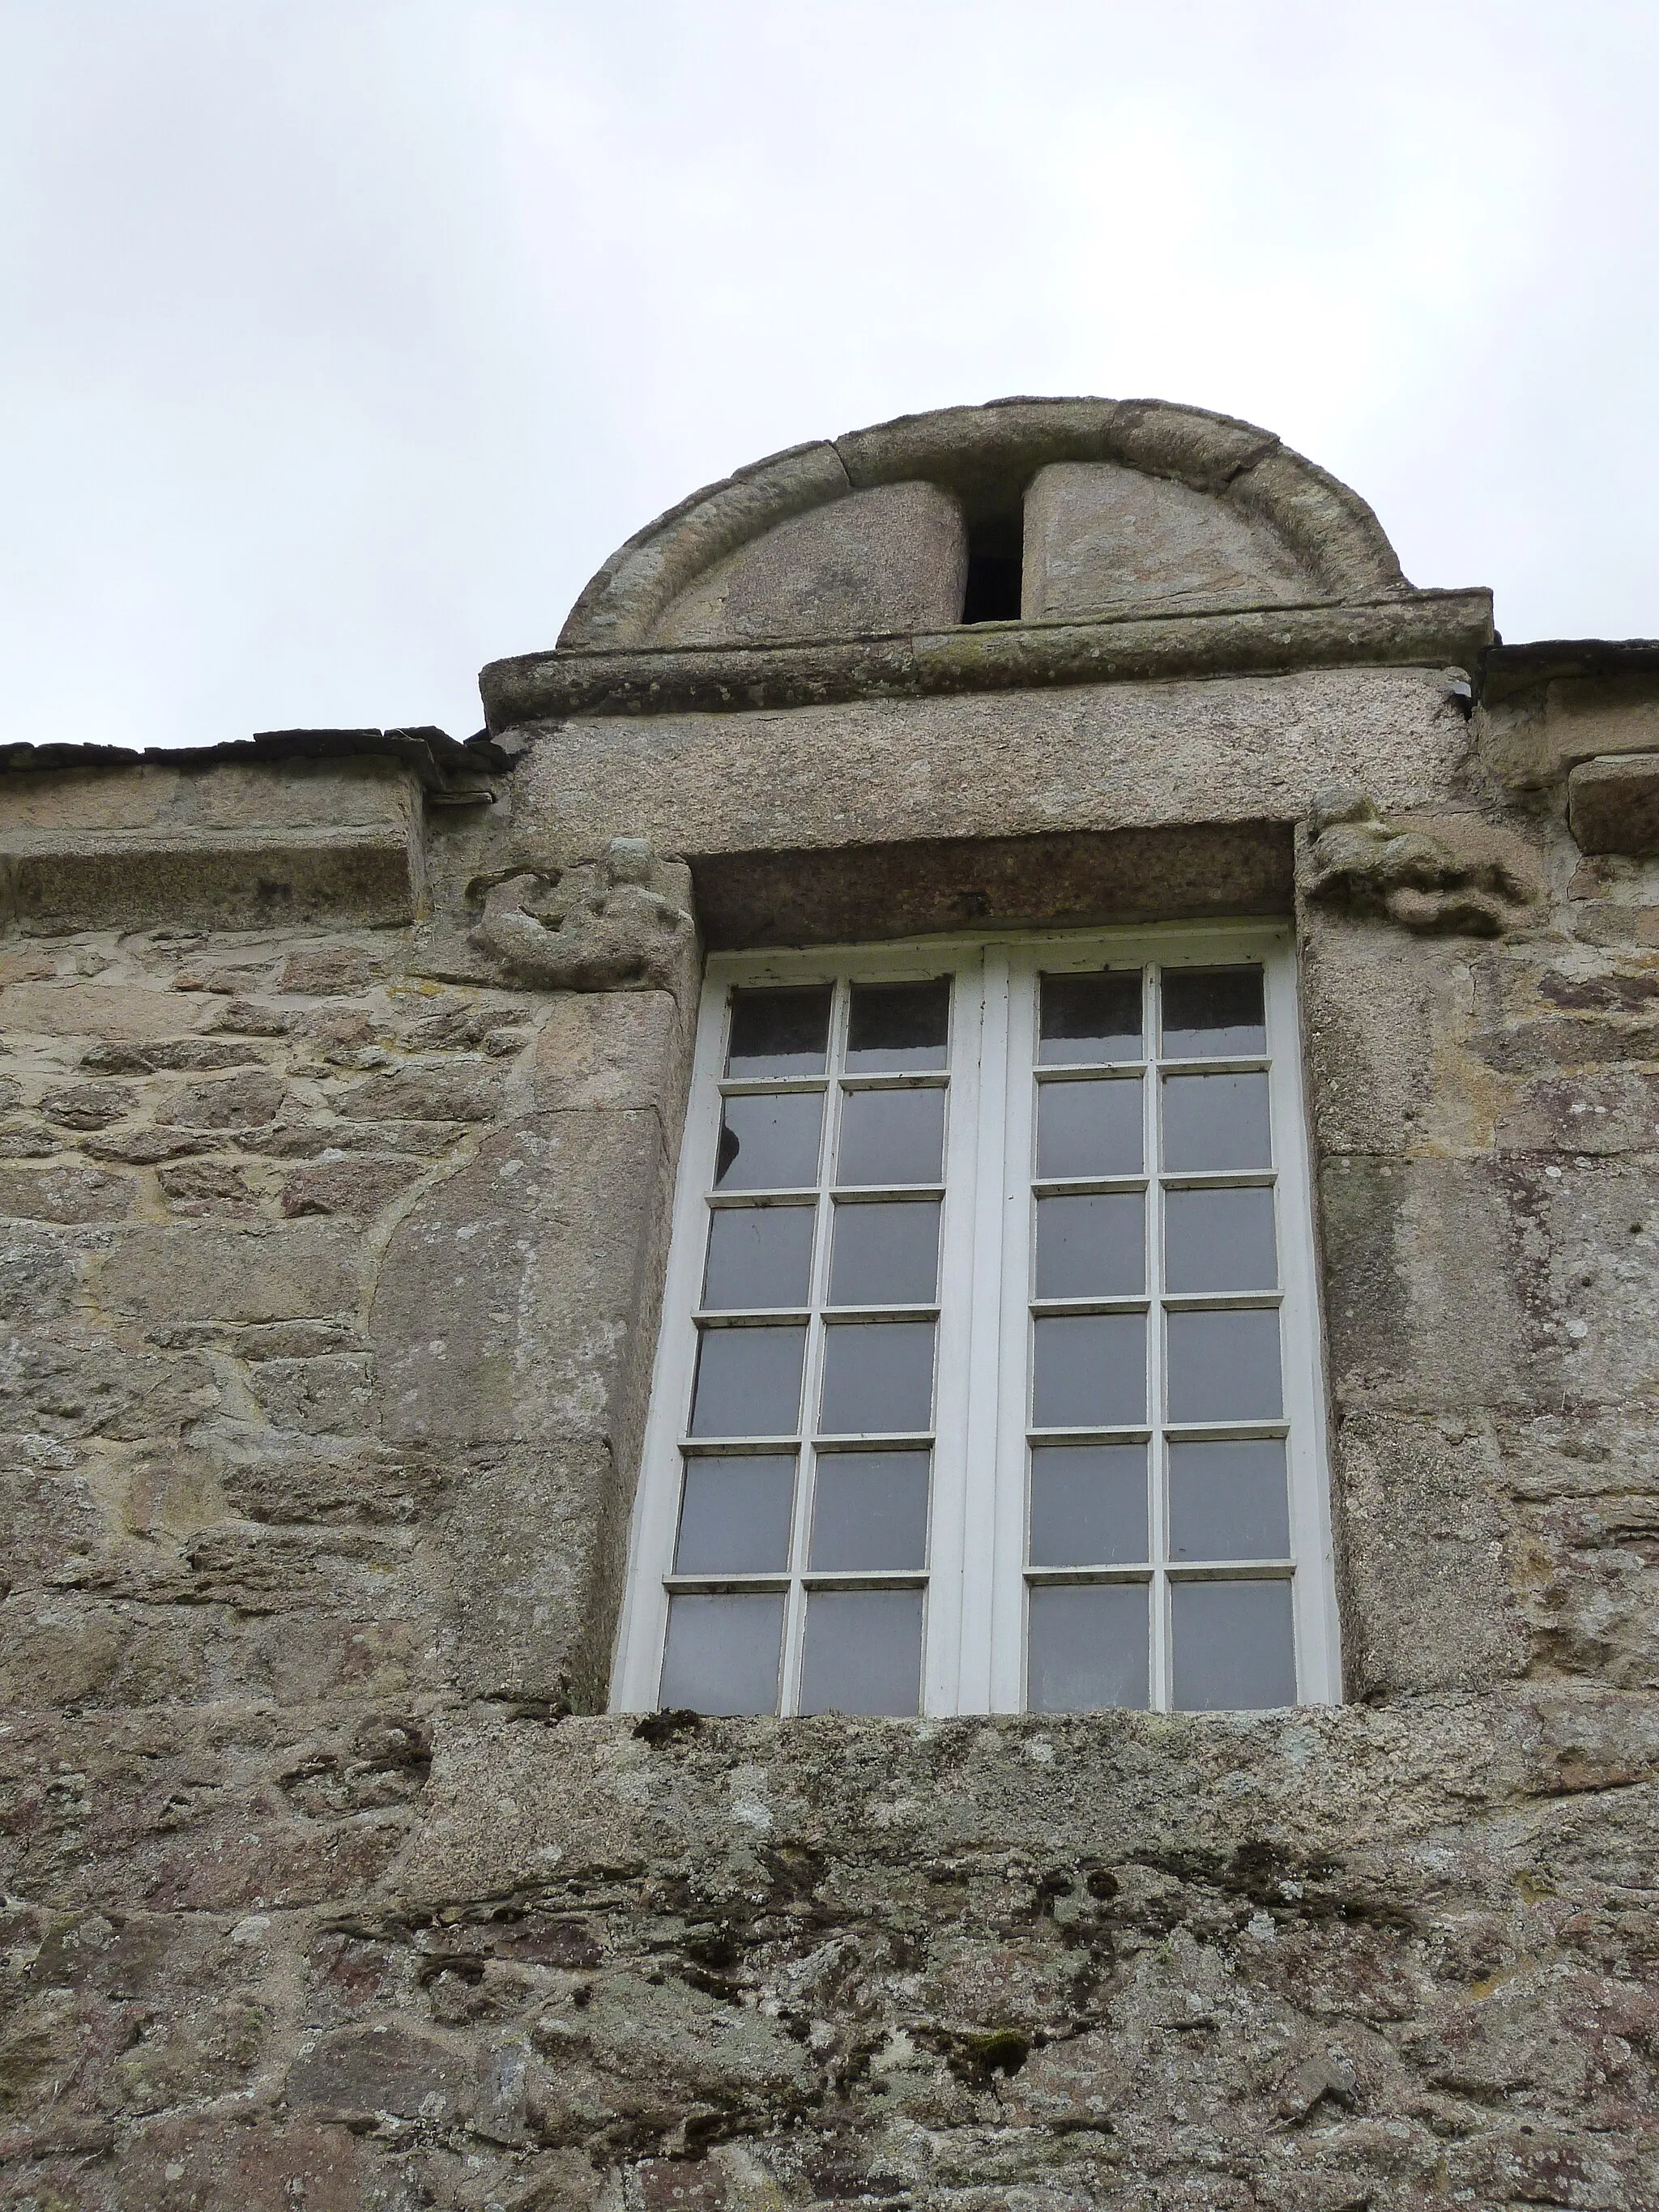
341	340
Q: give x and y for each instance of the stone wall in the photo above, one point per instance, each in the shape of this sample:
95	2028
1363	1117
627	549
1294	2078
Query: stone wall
334	1242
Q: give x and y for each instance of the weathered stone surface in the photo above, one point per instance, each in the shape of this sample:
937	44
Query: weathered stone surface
65	1193
1095	757
513	1299
92	1010
891	558
614	1049
356	1185
1613	803
231	1274
1099	537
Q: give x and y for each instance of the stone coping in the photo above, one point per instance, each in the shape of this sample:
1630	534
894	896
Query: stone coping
1418	628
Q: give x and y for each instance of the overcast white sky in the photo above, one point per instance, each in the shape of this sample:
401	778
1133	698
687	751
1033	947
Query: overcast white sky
344	338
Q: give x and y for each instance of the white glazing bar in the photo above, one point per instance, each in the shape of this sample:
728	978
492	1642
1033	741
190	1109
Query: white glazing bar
1313	1591
644	1618
971	1372
1158	1691
946	1537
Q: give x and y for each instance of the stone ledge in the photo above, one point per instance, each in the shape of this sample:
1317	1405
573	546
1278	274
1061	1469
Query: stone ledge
58	880
1417	629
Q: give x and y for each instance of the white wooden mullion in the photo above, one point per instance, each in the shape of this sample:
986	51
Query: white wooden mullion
956	1453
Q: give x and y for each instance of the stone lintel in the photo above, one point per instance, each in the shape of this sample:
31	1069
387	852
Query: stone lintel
1416	628
841	895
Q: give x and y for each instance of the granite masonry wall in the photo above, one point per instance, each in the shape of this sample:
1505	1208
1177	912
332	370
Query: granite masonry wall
342	1082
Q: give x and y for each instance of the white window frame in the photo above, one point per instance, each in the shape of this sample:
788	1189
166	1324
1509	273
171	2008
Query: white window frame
974	1634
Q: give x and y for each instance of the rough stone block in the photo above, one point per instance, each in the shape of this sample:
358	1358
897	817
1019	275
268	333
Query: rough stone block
1613	803
326	1396
891	558
523	1541
65	1193
1100	538
614	1048
516	1299
356	1186
197	1274
1429	1604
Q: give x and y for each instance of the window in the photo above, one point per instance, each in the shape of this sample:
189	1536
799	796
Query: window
989	1375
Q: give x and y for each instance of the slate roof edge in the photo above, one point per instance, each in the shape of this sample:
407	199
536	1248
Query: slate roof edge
441	762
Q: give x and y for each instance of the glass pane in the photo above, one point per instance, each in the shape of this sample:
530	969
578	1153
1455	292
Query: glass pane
734	1515
1087	1648
870	1511
770	1143
1088	1505
1215	1121
1090	1017
1234	1648
1088	1371
885	1255
862	1653
1224	1366
1219	1240
898	1025
722	1654
747	1381
779	1032
1088	1129
1228	1501
758	1255
891	1136
1212	1013
877	1378
1093	1246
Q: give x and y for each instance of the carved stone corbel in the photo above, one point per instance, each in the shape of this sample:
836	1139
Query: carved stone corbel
620	923
1455	876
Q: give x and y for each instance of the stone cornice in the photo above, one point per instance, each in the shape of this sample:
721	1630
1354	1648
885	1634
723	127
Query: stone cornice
1411	628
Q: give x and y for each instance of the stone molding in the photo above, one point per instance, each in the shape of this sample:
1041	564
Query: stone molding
1453	876
621	923
1410	630
986	456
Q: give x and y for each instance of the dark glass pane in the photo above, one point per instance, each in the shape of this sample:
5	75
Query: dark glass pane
1087	1649
1090	1017
770	1143
877	1378
734	1515
1092	1247
1088	1129
1212	1121
898	1025
1219	1240
885	1255
747	1381
1229	1501
862	1652
779	1032
1212	1013
1234	1647
891	1136
869	1510
758	1255
1224	1366
1088	1505
722	1654
1088	1371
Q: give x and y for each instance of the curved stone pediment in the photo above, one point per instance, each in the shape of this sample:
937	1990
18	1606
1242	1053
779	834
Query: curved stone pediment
1095	507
